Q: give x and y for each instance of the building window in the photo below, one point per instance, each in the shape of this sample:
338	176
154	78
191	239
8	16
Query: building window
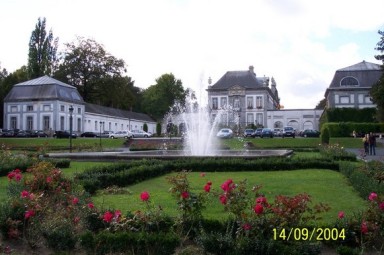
96	125
214	103
14	108
78	124
109	126
62	123
349	81
79	110
344	100
259	102
29	108
368	100
224	118
62	108
236	103
250	118
13	122
361	98
259	119
249	102
29	123
223	102
46	122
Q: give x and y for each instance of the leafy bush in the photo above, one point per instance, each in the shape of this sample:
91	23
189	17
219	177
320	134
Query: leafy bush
324	136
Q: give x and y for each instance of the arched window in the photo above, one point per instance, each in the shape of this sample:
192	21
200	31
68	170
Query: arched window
349	81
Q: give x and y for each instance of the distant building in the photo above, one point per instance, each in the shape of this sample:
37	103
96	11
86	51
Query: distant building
350	86
240	97
44	104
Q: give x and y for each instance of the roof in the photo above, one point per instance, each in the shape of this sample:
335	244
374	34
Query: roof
43	88
366	73
103	110
246	79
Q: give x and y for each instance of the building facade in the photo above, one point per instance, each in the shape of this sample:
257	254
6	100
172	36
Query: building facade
48	104
350	86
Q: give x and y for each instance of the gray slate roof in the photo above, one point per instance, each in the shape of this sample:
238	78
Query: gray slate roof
103	110
365	72
43	88
246	79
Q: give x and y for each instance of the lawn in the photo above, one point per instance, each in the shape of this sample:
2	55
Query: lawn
324	186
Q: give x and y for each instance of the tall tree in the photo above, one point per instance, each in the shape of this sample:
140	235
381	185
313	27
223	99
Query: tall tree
86	64
42	56
377	91
158	98
321	105
6	84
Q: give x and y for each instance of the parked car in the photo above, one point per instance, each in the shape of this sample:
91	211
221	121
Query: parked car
277	132
225	133
120	134
288	132
310	133
248	132
7	133
38	133
139	133
266	132
106	134
257	132
63	134
89	134
22	133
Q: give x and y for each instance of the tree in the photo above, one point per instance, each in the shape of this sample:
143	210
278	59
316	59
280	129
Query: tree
321	105
157	99
86	65
42	56
6	84
377	91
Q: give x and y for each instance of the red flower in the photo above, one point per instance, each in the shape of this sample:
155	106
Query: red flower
340	215
11	175
364	227
202	174
15	174
108	216
75	201
117	215
49	179
372	196
258	209
76	220
261	200
91	205
207	187
29	213
24	194
227	185
144	196
381	206
223	199
247	226
209	183
185	194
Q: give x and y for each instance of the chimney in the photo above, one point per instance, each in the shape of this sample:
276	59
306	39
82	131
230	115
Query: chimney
252	70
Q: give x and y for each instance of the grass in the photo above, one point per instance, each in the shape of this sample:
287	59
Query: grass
323	185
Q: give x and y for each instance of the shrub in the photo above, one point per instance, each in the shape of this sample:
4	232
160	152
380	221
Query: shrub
324	136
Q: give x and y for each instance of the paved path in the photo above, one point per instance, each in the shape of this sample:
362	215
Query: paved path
379	151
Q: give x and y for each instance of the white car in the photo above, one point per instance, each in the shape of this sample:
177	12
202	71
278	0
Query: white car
139	133
120	134
225	133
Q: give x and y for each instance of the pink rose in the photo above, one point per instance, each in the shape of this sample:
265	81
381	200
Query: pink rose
144	196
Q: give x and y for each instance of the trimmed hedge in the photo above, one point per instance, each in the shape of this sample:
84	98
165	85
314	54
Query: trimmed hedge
128	242
124	174
345	129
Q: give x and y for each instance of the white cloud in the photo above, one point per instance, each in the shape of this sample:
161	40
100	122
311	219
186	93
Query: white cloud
294	40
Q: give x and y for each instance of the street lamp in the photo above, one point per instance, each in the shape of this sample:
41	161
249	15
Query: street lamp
101	125
70	127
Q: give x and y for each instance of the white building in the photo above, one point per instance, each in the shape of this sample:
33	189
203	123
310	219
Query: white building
44	104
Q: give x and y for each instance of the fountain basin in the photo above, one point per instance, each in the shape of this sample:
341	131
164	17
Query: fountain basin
168	155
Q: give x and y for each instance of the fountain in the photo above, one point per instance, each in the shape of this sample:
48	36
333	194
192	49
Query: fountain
199	139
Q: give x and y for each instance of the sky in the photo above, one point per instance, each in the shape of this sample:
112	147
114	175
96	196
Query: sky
300	43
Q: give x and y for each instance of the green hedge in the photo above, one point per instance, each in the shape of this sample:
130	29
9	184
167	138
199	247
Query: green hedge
345	129
130	243
124	174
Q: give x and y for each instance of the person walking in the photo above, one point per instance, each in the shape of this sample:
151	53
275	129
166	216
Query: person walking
366	143
372	144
